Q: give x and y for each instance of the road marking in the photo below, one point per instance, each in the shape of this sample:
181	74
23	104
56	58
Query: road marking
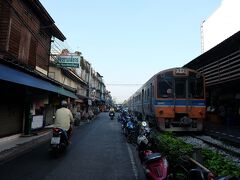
224	134
134	168
238	137
217	132
230	135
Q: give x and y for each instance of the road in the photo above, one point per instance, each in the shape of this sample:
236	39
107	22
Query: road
98	151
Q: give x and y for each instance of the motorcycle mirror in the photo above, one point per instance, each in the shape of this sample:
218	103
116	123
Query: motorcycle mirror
144	123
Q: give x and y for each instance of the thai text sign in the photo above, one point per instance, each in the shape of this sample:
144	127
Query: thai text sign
68	61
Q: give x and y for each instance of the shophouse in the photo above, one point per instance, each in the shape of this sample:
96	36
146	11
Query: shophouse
27	93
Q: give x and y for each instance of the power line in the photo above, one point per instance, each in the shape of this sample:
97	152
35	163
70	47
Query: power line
124	84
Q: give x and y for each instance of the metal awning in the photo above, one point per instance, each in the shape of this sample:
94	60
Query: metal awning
19	77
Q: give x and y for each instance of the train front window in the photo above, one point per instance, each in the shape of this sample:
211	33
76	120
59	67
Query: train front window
180	88
164	88
196	89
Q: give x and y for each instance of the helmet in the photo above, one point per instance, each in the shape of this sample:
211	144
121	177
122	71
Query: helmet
64	103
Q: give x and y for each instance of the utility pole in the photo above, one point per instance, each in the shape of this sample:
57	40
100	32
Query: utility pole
89	85
202	38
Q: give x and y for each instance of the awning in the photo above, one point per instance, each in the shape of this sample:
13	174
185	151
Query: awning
15	76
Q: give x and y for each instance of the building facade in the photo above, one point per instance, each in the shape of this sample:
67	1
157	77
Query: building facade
28	96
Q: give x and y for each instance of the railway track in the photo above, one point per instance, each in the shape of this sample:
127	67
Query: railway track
228	137
219	145
208	142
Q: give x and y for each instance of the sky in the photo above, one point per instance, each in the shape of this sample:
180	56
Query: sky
128	41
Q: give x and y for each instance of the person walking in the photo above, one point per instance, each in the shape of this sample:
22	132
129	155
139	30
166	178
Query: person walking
86	115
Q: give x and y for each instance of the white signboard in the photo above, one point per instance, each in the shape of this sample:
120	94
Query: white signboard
37	122
68	61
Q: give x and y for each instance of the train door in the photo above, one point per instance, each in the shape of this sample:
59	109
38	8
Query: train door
180	95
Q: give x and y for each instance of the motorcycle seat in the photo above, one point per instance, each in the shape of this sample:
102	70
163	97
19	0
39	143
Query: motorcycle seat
152	157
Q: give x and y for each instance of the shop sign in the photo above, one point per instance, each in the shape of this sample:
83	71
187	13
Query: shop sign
68	61
37	122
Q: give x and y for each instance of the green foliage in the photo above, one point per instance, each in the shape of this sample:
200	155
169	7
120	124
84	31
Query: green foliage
218	164
172	147
175	148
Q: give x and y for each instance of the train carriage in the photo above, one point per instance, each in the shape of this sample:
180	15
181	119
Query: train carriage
174	98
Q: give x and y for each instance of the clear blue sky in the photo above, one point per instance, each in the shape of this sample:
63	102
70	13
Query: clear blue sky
128	41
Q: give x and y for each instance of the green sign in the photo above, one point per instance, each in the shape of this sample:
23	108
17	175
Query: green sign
68	61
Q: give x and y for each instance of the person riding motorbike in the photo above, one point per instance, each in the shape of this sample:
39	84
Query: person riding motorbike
112	111
64	119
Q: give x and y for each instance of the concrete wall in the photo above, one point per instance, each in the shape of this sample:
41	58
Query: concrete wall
223	23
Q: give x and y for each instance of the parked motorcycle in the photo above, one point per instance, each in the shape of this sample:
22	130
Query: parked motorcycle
59	141
131	133
124	122
154	164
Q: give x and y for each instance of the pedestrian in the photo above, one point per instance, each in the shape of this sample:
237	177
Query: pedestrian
91	114
86	115
77	116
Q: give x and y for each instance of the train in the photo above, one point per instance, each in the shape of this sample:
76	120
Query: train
173	99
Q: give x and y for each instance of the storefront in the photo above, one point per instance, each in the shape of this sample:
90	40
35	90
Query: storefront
27	102
11	109
224	103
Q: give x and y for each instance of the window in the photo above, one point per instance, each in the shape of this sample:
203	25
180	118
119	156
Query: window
180	87
164	85
24	45
196	89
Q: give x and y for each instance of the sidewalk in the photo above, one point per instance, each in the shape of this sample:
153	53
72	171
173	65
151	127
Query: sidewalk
13	146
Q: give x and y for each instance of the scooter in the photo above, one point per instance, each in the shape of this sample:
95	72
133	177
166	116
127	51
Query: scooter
59	141
111	115
155	165
131	132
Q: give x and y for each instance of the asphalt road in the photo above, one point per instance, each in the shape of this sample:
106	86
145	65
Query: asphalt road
98	151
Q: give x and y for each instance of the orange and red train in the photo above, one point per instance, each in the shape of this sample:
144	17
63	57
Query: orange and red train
173	98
